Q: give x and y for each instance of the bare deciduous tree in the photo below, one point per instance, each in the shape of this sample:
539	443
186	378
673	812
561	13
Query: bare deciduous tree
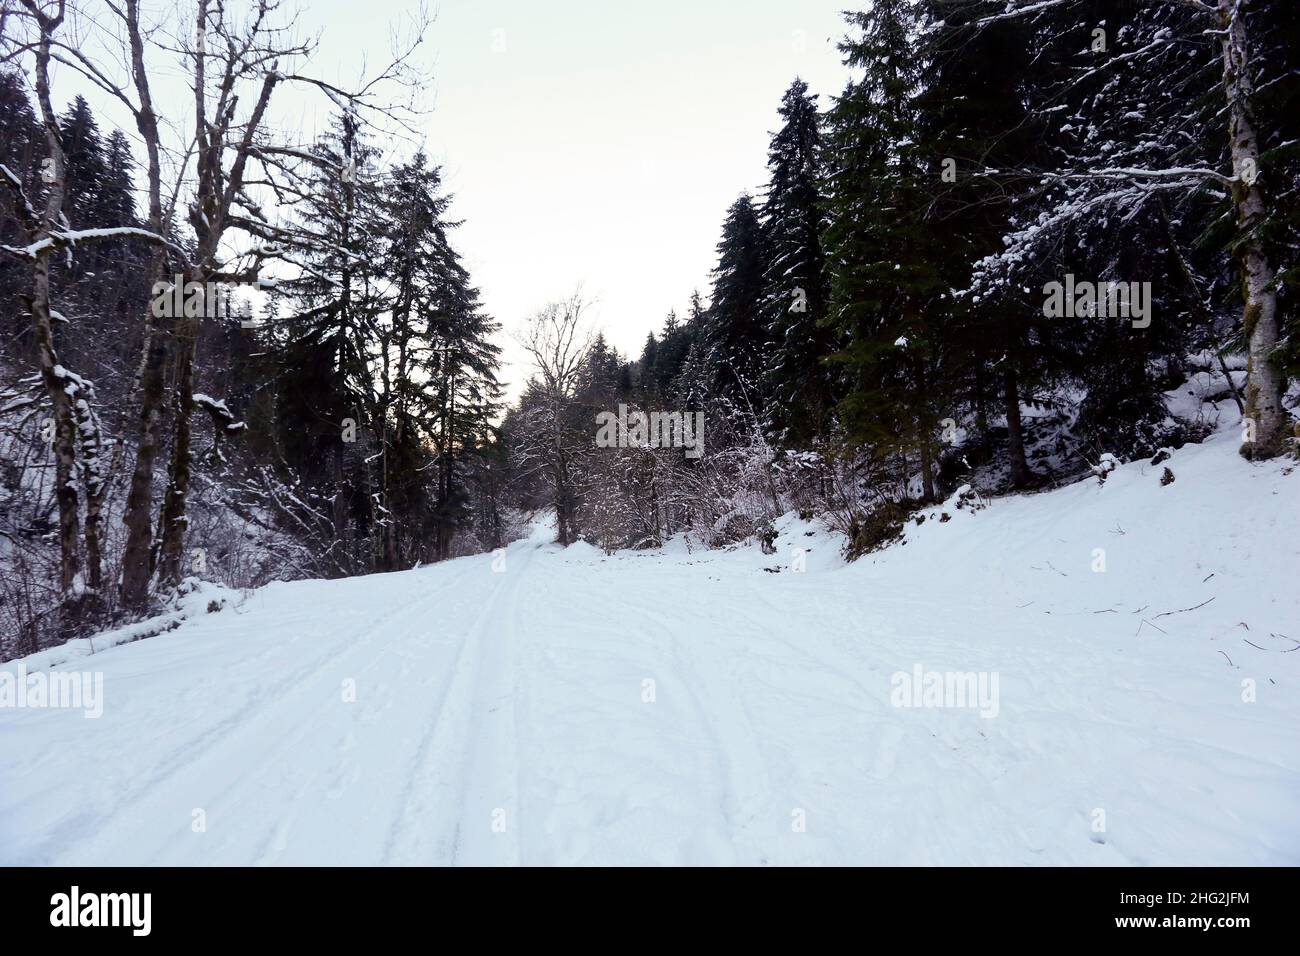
558	339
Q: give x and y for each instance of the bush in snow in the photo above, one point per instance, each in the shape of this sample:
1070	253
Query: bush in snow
1105	465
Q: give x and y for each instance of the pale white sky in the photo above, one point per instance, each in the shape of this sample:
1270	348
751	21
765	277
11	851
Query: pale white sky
591	141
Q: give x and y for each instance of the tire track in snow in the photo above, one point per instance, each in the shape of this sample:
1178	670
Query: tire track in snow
432	825
743	781
283	698
490	775
746	775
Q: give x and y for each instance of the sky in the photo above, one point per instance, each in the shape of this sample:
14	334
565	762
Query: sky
599	142
588	142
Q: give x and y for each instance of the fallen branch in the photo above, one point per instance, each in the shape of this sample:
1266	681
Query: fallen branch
1182	610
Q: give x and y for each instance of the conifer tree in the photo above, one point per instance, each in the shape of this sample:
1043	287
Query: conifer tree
327	328
737	337
648	366
674	343
880	245
798	381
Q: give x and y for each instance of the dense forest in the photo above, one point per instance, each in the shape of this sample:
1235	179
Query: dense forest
995	257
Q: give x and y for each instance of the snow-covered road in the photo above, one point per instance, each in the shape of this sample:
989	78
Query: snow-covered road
565	706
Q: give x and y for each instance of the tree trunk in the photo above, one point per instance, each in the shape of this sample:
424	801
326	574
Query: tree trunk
96	480
137	561
654	508
65	431
1259	318
173	521
340	501
94	538
562	512
926	434
1015	432
53	375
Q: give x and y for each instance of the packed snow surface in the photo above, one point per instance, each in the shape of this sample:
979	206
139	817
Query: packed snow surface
562	706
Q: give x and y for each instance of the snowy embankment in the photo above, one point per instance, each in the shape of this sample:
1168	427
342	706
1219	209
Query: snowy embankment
564	706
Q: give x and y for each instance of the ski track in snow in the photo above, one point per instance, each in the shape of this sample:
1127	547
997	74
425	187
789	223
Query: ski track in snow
499	717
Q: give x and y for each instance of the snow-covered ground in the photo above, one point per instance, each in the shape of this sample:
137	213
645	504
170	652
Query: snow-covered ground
687	706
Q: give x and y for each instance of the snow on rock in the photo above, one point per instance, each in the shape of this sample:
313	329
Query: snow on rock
725	706
1105	465
965	498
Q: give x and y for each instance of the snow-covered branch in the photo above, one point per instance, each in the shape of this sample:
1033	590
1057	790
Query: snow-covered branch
68	238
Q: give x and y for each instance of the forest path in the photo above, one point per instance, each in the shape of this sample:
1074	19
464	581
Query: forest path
564	706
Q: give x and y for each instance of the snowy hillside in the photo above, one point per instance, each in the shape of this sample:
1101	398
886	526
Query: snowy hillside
688	706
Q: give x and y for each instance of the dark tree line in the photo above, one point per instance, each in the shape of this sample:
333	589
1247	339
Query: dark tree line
876	331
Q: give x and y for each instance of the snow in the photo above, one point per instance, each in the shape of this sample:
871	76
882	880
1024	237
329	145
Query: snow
696	706
1207	396
194	597
1105	465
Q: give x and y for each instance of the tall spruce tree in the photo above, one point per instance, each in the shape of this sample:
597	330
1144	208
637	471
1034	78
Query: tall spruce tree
648	368
327	330
981	139
798	382
674	343
881	245
737	336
